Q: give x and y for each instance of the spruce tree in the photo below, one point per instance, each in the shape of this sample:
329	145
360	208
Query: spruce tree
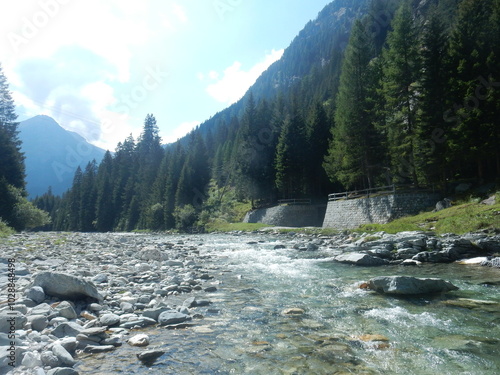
470	141
353	150
401	73
104	204
289	160
432	130
11	157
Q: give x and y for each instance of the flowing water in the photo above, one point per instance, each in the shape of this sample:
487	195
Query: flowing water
344	330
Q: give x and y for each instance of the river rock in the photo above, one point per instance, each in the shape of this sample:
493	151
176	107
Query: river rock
406	285
67	329
172	317
95	349
63	355
38	322
360	259
294	311
62	371
49	359
36	294
149	356
66	286
109	320
139	340
66	310
31	360
494	262
11	319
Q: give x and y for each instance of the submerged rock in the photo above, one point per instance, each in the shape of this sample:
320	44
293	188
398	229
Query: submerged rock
406	285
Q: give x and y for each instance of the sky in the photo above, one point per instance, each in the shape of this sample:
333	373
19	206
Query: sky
98	67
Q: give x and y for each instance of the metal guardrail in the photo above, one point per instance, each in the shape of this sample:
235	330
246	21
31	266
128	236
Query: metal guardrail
362	193
294	201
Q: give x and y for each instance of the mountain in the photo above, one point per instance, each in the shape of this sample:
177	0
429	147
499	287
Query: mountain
368	94
53	154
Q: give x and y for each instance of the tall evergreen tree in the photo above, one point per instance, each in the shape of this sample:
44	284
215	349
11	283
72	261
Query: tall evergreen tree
104	204
290	171
470	140
401	73
432	130
354	149
11	157
318	136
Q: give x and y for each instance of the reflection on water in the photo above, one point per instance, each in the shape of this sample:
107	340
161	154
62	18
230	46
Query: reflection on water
343	330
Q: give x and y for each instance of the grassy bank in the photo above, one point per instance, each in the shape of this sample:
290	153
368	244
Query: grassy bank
459	219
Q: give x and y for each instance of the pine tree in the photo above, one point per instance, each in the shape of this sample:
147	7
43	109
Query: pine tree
431	157
401	72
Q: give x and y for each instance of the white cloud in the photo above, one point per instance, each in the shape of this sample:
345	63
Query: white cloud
236	81
180	131
213	74
179	12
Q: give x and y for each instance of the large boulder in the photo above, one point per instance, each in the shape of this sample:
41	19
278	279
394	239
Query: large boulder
66	287
360	259
172	317
406	285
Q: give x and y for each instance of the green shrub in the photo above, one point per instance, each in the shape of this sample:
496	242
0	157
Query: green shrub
5	230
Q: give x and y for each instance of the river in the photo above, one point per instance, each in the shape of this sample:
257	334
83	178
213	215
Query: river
343	329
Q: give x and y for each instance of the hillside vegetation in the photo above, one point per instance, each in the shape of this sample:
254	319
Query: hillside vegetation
372	92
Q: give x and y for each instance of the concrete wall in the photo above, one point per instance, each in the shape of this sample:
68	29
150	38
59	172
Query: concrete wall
351	213
288	216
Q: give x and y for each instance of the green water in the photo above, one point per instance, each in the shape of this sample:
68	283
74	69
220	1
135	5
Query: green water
245	331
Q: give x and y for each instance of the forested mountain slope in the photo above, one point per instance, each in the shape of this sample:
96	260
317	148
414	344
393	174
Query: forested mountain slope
369	93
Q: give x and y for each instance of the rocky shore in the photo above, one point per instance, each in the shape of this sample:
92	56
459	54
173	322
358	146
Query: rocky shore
83	294
87	293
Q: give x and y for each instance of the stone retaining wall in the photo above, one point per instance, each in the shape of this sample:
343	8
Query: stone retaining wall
288	216
351	213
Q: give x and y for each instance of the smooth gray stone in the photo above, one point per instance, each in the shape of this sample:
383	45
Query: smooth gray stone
11	320
66	286
38	322
36	294
93	349
109	320
149	356
67	329
49	359
172	317
62	371
360	259
63	355
406	285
